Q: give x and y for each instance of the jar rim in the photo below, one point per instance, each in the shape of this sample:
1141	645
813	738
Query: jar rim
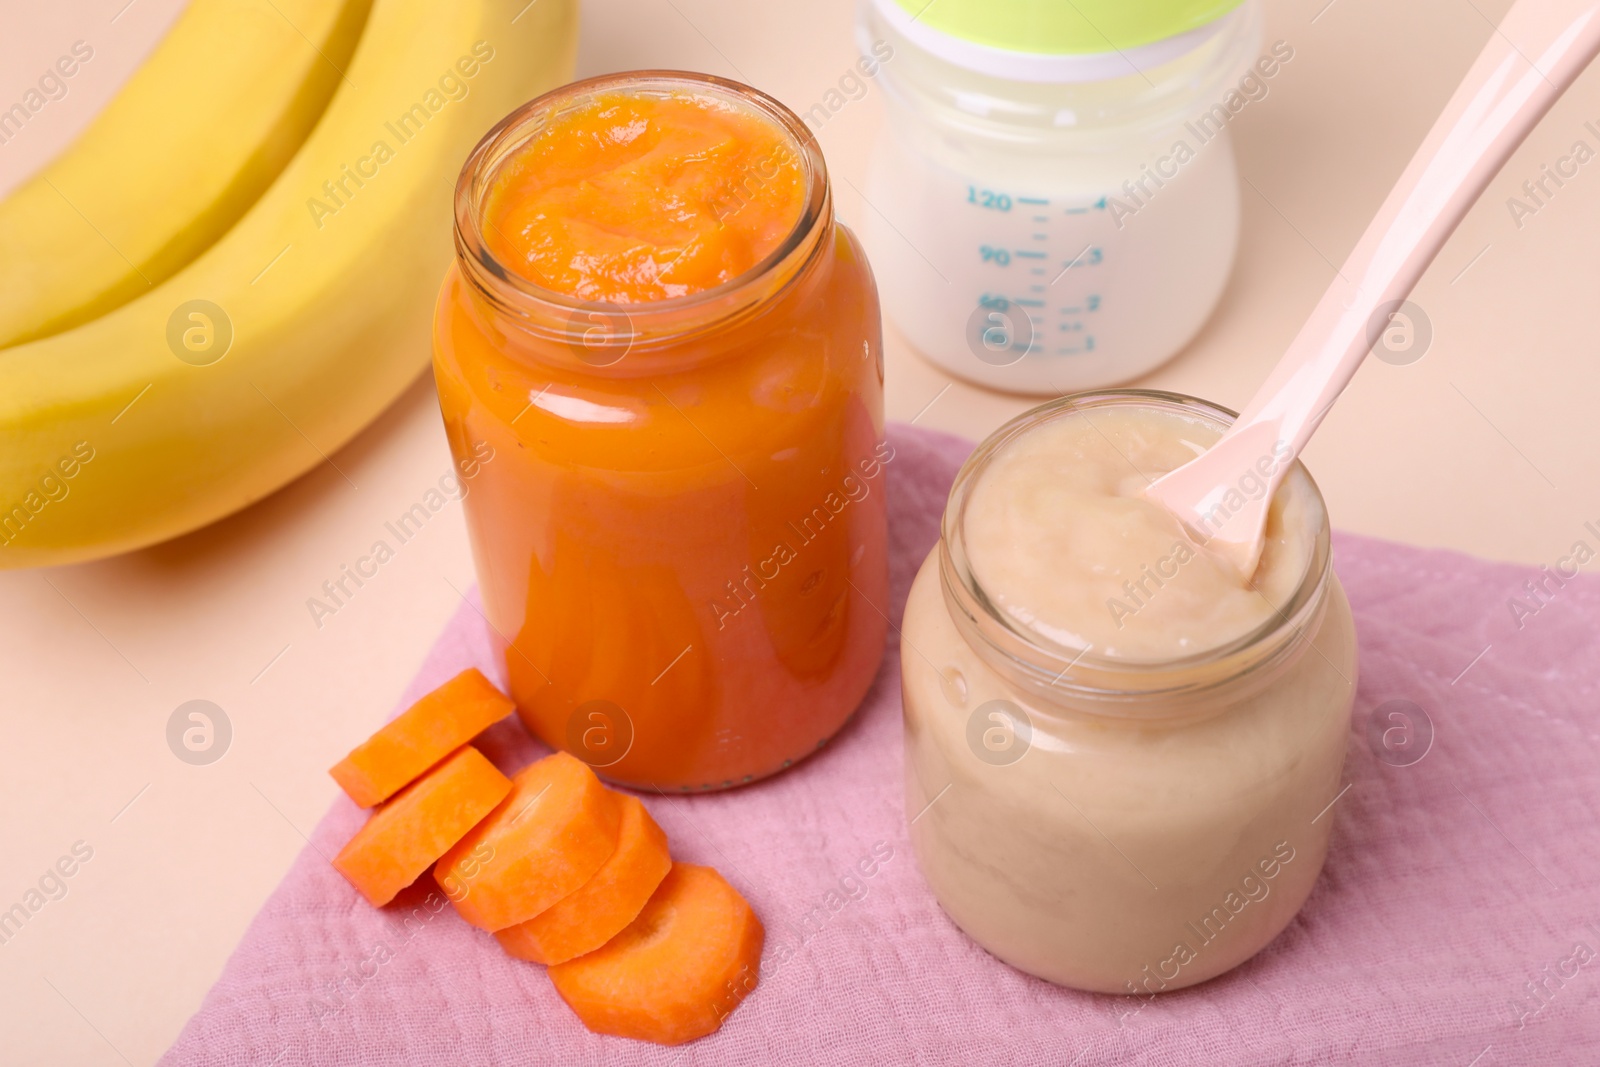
557	316
1058	671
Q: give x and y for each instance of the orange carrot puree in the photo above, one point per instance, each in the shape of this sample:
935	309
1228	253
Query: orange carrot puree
632	198
682	554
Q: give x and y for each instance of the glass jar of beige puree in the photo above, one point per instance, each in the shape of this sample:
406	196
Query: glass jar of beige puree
1120	766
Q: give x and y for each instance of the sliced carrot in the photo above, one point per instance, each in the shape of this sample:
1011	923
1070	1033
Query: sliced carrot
604	904
557	828
420	736
420	823
677	971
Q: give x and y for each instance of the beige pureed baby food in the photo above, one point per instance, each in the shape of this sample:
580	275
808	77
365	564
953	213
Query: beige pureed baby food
1120	754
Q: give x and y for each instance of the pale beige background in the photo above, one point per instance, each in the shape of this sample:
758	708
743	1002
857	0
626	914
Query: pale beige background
1487	445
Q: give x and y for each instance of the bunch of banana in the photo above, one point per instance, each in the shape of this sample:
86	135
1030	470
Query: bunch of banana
185	148
268	221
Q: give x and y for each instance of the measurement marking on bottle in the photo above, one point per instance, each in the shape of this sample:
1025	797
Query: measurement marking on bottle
1035	288
1077	211
1069	327
1089	257
1041	237
1037	270
1032	200
988	198
1041	218
1030	255
1030	303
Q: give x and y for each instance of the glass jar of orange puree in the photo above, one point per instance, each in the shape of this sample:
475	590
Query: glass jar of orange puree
674	351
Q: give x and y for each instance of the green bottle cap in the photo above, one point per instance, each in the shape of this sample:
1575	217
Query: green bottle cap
1063	27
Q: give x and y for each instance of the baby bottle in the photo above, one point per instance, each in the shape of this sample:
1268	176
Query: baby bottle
1054	204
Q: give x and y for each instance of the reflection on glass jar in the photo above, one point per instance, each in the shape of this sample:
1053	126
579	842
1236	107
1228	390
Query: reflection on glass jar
1120	802
685	519
1056	202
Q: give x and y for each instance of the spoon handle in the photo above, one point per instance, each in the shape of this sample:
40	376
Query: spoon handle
1538	50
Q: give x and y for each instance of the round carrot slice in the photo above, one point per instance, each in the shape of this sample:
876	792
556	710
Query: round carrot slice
677	971
605	903
420	736
420	823
552	833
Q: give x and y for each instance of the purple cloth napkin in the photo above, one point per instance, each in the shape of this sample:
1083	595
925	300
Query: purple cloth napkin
1457	920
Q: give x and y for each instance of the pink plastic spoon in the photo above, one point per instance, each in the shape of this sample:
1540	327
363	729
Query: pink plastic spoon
1538	50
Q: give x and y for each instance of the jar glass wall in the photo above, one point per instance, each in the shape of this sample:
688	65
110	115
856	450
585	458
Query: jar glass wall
1112	825
681	536
1062	228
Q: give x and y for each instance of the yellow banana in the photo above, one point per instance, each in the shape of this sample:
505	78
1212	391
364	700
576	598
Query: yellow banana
192	140
293	331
